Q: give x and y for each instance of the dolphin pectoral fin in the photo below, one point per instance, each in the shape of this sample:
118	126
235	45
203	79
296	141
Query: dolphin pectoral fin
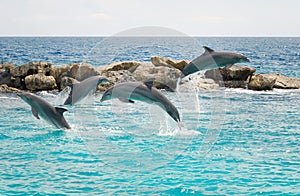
60	110
149	82
123	99
35	113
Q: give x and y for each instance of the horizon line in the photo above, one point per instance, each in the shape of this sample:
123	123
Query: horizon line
292	36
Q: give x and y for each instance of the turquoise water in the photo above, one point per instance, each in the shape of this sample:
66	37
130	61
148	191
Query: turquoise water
234	141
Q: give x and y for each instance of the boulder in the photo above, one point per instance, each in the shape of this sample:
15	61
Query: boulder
116	77
32	68
167	62
195	82
234	84
117	66
6	89
81	71
58	72
40	82
284	82
5	73
65	81
261	82
234	72
165	77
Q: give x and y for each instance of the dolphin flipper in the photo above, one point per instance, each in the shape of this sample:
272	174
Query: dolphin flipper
35	113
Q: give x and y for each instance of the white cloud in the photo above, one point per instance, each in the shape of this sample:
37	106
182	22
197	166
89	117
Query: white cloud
101	16
107	17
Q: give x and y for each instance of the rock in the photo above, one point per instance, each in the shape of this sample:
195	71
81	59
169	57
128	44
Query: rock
166	62
261	82
165	77
234	84
40	82
234	72
81	71
5	73
116	77
195	82
65	81
117	66
6	89
32	68
58	72
284	82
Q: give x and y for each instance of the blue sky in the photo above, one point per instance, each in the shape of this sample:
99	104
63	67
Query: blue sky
192	17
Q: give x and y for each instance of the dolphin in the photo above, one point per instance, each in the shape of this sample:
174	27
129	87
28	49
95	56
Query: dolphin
82	89
145	92
211	59
41	108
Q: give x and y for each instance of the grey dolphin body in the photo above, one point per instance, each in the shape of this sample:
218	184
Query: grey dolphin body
82	89
211	59
41	108
129	91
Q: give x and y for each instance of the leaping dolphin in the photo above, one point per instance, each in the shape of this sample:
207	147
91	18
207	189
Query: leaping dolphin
82	89
41	108
211	59
145	92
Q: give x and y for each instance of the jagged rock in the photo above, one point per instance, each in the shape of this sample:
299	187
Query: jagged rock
116	77
195	82
234	72
166	62
40	82
59	72
5	73
65	81
261	82
234	84
284	82
165	77
232	77
81	71
117	66
6	89
32	68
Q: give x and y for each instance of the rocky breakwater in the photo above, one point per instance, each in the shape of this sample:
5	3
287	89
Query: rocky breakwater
36	76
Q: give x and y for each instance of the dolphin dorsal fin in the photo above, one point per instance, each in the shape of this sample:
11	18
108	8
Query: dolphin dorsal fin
149	82
35	113
61	110
207	50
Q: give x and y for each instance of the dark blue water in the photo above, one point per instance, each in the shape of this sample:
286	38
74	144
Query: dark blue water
276	55
234	141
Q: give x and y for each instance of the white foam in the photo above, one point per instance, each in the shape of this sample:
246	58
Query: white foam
178	131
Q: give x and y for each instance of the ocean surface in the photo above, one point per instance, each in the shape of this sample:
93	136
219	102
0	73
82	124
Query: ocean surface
233	141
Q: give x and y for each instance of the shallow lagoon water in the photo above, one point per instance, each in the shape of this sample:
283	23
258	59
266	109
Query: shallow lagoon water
234	141
237	142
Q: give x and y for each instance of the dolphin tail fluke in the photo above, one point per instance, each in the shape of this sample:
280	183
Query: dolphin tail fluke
69	100
149	82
